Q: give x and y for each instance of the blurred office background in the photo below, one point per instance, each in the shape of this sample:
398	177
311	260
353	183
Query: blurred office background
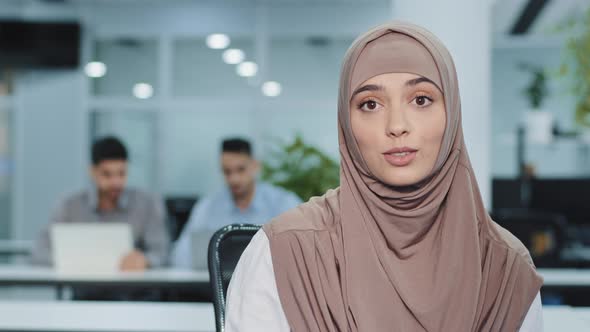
146	74
165	76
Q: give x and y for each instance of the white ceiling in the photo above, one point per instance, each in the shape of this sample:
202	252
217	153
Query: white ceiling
506	12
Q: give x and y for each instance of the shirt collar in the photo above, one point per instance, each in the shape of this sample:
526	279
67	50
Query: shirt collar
122	203
256	204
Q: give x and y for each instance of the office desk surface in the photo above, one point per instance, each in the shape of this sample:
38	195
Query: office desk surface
563	318
565	277
176	317
106	316
33	275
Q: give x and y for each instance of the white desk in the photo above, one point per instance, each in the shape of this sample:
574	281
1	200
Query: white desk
106	316
25	275
565	277
52	316
33	275
566	319
583	312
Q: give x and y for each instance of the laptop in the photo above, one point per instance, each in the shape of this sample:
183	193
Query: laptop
200	248
90	248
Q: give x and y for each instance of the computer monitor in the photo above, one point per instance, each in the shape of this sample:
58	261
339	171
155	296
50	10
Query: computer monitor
569	197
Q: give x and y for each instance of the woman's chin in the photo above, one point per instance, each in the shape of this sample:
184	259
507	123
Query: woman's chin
401	178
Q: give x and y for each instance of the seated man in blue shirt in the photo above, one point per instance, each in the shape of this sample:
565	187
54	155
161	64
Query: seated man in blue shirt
244	200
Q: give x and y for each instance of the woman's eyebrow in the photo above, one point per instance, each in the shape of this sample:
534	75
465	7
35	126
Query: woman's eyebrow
368	87
419	80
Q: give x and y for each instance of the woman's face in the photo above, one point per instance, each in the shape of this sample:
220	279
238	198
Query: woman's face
398	120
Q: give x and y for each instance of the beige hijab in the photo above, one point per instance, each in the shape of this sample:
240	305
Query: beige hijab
368	257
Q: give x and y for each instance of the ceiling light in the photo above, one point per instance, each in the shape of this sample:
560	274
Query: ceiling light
247	69
271	88
217	41
233	56
95	69
143	90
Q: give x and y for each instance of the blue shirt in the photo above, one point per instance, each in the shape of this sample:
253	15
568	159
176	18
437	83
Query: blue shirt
218	210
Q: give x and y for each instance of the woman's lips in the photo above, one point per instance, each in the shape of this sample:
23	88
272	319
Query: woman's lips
400	157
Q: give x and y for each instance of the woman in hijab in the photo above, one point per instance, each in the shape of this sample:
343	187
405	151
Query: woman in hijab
405	243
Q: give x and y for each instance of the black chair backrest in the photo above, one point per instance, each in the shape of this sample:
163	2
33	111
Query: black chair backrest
179	210
544	234
225	248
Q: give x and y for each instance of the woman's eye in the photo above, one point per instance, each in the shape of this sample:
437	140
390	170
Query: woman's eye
422	101
369	105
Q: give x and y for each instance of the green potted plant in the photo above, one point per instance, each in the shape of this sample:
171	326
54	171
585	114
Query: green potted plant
538	122
576	66
301	168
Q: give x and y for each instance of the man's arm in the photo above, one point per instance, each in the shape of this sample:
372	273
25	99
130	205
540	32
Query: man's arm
156	237
41	254
181	253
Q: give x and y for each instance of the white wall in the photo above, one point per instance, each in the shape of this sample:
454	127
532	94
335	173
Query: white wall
50	142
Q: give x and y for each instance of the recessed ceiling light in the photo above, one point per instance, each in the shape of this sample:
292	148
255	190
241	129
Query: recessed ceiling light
95	69
271	88
233	56
143	90
247	69
217	41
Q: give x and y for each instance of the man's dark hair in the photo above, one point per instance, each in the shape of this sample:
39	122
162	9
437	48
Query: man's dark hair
108	148
236	145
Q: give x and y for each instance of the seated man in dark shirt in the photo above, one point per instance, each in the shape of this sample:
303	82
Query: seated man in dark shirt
110	200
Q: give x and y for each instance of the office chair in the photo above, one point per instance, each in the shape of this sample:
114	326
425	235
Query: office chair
225	248
543	233
179	209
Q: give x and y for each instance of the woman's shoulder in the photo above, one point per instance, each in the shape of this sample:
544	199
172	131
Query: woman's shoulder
318	214
502	236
